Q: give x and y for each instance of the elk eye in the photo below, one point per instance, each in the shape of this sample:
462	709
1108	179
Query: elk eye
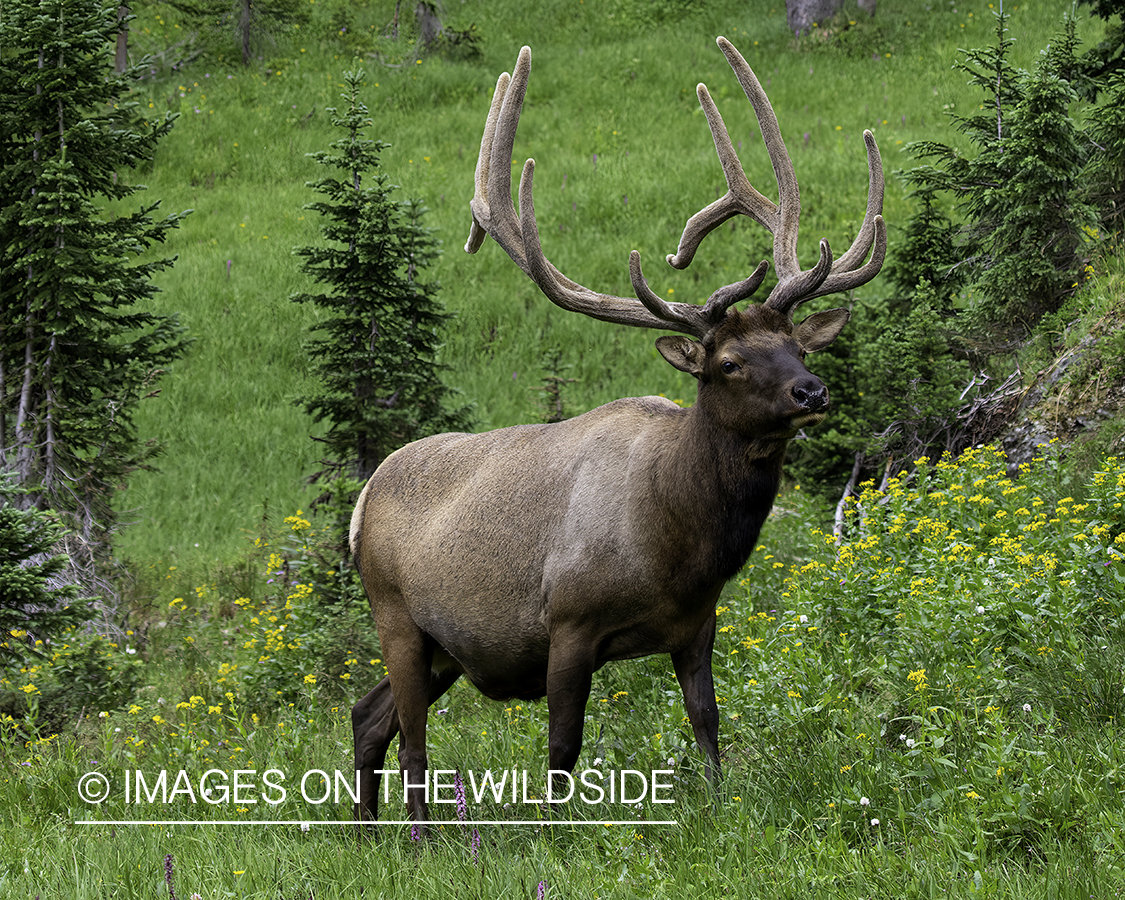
729	368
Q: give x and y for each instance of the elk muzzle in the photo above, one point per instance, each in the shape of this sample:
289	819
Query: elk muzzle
811	399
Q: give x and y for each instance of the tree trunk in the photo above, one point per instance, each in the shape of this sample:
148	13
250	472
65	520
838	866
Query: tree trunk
429	23
244	30
121	56
801	14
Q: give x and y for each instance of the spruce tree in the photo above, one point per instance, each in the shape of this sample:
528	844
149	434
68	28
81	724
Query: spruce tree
1018	245
36	604
76	353
375	350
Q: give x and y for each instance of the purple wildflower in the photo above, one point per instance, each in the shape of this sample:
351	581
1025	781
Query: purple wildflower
475	846
168	876
459	793
541	892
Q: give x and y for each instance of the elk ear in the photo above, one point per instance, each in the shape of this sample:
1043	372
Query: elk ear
821	329
682	352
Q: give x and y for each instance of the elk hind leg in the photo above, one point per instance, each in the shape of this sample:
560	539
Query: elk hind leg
409	654
374	725
375	722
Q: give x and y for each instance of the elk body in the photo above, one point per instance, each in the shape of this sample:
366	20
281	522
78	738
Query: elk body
526	558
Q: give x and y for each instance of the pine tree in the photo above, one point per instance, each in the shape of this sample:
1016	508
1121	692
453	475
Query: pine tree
76	355
1019	242
34	606
377	346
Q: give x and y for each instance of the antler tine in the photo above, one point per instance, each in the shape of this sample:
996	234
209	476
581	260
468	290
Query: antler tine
788	215
866	237
849	271
494	213
706	316
741	197
782	219
492	207
478	231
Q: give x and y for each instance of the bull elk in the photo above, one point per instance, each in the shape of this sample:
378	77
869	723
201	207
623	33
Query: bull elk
528	557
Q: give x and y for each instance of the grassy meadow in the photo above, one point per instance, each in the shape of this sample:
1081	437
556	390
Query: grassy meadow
624	158
927	705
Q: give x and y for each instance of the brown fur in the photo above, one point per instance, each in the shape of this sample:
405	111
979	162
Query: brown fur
527	558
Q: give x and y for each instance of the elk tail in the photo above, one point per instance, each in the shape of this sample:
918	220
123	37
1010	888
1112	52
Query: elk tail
355	531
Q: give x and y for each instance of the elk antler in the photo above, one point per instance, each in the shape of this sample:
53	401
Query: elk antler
494	214
783	220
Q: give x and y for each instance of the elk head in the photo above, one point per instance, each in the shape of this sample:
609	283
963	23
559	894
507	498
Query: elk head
762	347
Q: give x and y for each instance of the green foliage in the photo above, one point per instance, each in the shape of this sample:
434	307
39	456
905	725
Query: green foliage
1107	57
377	359
914	408
1020	240
1105	176
52	667
922	256
35	609
87	674
302	618
969	286
552	389
918	399
76	352
955	590
81	675
320	631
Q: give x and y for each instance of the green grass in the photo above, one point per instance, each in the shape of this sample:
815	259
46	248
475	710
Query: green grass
616	80
932	707
863	672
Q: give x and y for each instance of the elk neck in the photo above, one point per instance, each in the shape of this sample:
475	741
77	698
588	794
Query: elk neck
716	489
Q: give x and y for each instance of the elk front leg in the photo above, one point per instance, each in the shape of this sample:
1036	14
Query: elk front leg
692	665
570	668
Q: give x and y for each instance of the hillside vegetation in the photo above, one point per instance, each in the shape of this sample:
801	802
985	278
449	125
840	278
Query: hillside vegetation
624	158
921	691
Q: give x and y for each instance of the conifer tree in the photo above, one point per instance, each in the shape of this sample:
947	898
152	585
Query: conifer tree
76	353
1019	242
34	606
375	350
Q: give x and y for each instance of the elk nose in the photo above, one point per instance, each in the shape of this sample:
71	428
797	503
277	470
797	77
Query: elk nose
811	395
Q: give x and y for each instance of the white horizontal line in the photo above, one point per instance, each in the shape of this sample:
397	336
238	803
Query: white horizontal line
380	822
